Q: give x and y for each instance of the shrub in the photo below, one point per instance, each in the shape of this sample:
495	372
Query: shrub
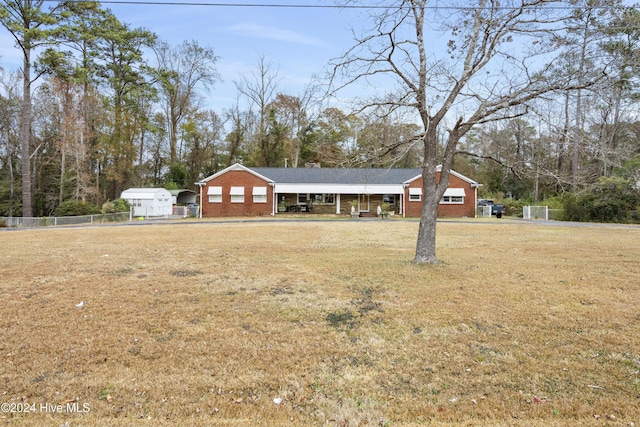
76	208
117	205
611	199
574	210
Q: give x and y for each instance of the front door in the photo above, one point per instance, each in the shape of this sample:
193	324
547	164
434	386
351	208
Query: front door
364	202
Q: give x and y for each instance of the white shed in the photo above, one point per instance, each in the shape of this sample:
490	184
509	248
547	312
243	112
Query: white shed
148	202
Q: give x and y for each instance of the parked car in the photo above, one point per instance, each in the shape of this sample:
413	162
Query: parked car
497	210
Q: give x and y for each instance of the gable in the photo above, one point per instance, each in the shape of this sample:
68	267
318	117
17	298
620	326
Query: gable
235	167
452	173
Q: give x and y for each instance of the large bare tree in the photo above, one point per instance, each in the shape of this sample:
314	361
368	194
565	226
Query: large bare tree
260	89
454	67
181	70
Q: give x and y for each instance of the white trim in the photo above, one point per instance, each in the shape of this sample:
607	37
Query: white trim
452	200
214	191
452	172
234	167
338	188
259	194
454	192
259	191
415	194
237	191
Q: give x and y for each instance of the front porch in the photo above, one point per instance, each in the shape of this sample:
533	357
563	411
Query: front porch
339	204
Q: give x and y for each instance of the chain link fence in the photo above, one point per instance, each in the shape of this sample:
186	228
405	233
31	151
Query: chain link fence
52	221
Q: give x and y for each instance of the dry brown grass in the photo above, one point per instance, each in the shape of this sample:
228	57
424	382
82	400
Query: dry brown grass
205	324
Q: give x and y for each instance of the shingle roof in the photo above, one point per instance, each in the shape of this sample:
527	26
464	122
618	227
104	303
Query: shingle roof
337	175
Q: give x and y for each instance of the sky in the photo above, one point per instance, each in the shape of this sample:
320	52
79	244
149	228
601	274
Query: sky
298	42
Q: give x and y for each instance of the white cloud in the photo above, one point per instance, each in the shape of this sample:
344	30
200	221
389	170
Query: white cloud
272	33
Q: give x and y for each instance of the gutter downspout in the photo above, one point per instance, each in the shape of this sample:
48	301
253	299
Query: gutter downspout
402	200
475	202
274	198
200	185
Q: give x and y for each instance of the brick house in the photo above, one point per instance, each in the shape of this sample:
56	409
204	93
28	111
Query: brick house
242	191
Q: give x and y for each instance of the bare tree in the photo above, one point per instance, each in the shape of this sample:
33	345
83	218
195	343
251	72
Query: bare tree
181	70
489	69
239	122
260	88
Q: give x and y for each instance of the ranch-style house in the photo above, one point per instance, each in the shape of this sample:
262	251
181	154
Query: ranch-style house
242	191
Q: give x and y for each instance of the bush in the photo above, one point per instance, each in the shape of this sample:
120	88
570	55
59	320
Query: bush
118	205
76	208
574	210
611	199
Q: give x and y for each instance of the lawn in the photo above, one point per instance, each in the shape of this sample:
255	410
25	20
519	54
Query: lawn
320	323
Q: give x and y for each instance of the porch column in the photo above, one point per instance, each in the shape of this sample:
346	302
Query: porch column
338	203
201	200
274	203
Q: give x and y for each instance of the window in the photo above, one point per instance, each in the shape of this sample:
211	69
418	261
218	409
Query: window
215	194
415	194
316	199
259	194
453	200
389	198
237	194
328	199
453	196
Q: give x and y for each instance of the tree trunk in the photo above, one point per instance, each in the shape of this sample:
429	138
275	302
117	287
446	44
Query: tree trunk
173	138
426	245
25	135
63	160
11	180
579	132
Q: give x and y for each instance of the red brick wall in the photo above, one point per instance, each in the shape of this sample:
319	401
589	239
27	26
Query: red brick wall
413	209
467	209
240	178
226	208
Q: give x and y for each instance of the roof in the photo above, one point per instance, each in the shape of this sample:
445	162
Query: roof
178	192
142	193
337	175
234	167
342	176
